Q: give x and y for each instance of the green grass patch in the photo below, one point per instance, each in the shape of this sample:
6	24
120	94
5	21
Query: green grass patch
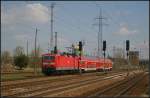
7	77
12	77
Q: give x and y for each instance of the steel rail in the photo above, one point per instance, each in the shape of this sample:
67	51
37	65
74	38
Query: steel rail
68	87
42	91
131	86
45	84
111	87
41	79
43	87
47	87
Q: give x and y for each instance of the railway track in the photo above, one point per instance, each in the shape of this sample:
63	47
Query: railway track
75	90
120	88
35	89
46	87
42	86
31	82
58	90
27	82
18	72
141	88
69	88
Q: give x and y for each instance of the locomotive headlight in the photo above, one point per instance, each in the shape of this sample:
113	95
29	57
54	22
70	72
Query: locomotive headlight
52	63
47	63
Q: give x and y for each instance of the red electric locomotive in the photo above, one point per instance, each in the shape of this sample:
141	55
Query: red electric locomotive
55	62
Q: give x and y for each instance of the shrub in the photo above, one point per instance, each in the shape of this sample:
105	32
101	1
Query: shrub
21	61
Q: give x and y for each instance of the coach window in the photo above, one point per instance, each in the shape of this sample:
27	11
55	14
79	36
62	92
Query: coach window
48	57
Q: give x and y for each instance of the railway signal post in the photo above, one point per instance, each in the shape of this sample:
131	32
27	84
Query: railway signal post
104	49
55	47
35	54
80	49
127	49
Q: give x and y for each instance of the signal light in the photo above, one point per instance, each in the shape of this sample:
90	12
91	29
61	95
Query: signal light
55	50
127	45
104	45
80	45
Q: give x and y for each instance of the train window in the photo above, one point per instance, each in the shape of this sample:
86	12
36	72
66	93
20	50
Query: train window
82	62
48	57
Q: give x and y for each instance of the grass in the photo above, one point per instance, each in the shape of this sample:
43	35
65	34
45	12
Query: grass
12	77
19	76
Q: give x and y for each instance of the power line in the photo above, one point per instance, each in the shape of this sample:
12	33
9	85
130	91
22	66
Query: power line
56	39
108	15
77	19
71	26
48	47
100	38
78	28
52	21
35	53
55	48
27	48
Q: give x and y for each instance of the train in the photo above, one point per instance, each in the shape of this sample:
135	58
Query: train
52	63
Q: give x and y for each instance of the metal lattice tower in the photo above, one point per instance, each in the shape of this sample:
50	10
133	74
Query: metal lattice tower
100	36
51	39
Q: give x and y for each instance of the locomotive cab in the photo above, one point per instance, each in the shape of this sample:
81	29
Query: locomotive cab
48	64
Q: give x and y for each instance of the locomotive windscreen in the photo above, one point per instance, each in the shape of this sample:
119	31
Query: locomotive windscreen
48	57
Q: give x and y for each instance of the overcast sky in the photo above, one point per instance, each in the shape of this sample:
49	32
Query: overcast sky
74	22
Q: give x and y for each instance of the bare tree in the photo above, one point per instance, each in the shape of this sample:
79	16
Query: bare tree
18	51
118	55
6	58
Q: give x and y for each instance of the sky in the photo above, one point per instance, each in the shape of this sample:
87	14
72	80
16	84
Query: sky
74	21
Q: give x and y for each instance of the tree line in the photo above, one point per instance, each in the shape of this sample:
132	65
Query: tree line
21	60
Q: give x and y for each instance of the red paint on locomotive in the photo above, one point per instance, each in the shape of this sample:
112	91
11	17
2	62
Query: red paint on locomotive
57	62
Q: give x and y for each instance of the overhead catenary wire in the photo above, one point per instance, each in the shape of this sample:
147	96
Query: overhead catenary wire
77	19
69	27
105	12
27	48
35	53
75	27
108	15
52	21
100	34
